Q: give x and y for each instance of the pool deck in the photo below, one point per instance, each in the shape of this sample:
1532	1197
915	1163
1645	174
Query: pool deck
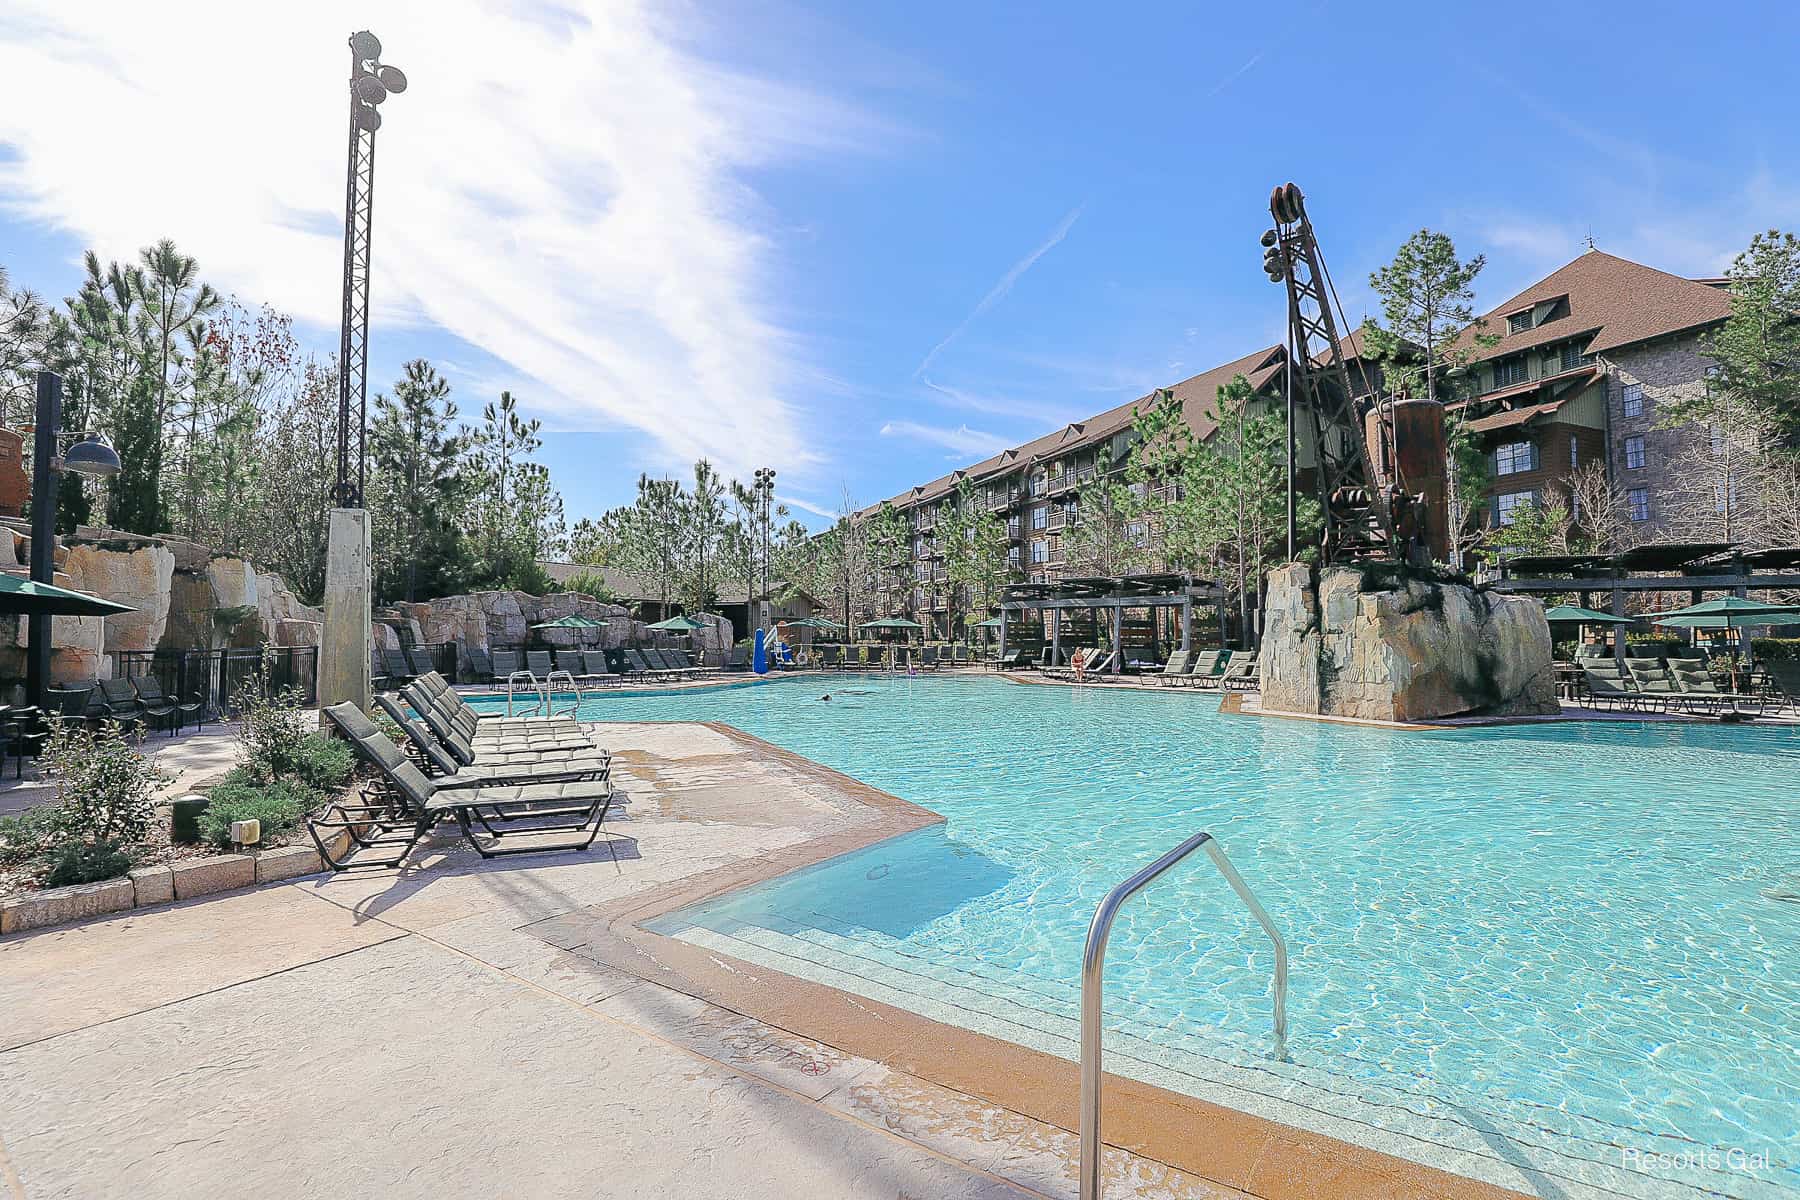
470	1027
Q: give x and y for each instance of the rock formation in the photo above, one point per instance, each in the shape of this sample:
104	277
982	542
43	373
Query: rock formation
485	620
183	596
1366	643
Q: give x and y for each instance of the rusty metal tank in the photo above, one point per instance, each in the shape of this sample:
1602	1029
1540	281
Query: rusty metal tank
1416	464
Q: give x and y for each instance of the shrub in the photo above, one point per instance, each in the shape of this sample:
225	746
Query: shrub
86	862
30	835
279	745
105	789
590	583
280	806
1767	648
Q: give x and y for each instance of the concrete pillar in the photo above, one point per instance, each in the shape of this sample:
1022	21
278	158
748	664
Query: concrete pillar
344	641
1056	637
1187	623
1118	639
1001	655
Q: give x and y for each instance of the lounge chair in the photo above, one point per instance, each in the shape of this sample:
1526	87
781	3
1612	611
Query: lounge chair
928	659
420	659
831	657
640	664
1211	678
669	660
396	668
118	701
405	805
1694	681
1243	675
438	760
1784	679
481	667
736	660
1175	668
596	671
1651	678
506	664
157	707
538	663
1611	690
378	676
571	662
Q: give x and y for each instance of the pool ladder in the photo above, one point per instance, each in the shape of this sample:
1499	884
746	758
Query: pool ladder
1093	963
525	683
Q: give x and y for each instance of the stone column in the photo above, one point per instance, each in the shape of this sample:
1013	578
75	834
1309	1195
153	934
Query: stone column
344	641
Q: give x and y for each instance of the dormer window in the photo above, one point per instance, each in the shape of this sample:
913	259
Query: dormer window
1519	322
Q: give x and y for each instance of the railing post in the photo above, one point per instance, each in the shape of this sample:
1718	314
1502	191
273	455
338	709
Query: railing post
1093	967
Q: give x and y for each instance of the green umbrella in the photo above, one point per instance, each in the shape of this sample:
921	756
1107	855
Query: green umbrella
681	623
990	623
25	598
1574	614
1728	612
807	623
893	623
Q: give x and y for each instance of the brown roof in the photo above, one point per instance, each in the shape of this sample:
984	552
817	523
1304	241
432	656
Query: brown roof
1508	417
1620	302
1196	395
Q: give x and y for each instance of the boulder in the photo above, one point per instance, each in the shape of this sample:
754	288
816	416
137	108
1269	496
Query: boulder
140	576
1368	643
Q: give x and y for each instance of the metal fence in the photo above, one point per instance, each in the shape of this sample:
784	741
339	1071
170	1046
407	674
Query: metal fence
217	675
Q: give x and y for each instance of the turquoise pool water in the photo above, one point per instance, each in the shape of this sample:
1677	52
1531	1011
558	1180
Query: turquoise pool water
1543	952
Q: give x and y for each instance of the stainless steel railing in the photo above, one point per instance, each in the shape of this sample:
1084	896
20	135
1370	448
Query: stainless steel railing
550	692
1093	963
522	681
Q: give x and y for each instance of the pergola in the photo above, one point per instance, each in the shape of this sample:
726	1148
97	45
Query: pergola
1691	567
1109	595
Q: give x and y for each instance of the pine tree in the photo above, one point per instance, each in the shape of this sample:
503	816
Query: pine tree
418	460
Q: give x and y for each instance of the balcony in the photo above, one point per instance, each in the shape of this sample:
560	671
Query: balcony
1058	518
997	501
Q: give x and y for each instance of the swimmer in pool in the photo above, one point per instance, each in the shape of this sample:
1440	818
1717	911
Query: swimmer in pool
826	696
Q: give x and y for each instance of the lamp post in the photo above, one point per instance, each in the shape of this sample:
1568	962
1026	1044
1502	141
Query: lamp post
344	644
91	456
765	489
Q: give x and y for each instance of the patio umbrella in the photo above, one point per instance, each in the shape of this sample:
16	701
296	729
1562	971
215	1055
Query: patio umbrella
808	623
681	623
990	623
1574	614
1728	612
892	623
26	598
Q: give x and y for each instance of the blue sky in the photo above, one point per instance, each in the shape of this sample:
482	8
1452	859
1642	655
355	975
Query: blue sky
865	244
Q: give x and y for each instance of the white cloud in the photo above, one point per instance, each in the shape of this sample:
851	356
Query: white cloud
560	187
998	292
962	441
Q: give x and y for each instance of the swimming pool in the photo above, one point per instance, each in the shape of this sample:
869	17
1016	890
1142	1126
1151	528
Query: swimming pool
1542	955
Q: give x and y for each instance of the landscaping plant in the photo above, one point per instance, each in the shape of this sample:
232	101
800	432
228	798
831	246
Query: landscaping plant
279	806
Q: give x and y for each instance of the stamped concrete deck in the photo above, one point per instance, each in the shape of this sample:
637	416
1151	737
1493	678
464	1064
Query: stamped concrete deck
410	1033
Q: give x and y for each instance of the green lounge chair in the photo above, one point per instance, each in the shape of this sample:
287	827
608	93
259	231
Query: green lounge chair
404	805
1613	691
1694	681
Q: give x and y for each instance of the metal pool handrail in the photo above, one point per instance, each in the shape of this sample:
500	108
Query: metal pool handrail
550	692
530	681
1093	962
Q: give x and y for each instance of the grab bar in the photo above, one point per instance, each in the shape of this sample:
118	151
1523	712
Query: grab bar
513	679
1093	962
550	691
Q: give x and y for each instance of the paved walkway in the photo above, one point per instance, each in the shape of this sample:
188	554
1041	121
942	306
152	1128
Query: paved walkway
405	1034
190	758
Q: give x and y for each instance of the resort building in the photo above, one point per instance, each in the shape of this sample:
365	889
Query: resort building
1586	361
1034	487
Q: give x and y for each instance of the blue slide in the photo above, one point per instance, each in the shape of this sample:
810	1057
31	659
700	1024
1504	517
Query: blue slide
759	658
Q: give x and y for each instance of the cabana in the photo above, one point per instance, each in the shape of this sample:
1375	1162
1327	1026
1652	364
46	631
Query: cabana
1114	596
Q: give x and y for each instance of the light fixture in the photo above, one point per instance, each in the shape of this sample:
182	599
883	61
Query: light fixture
93	456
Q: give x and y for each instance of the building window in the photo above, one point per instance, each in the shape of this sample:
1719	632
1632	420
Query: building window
1571	356
1012	556
1632	400
1072	512
1506	504
1637	503
1515	457
1040	552
1634	452
1574	453
1510	371
1040	517
1519	322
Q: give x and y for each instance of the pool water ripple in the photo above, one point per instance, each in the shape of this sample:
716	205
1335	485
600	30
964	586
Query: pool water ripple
1569	935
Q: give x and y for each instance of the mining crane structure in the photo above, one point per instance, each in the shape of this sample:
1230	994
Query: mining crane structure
1357	525
1378	464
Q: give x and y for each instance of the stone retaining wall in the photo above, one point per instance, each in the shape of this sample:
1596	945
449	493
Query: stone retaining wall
486	620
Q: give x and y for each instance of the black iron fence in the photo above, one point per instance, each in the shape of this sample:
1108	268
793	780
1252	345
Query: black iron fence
216	676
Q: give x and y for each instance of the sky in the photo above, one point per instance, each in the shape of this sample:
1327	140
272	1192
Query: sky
865	244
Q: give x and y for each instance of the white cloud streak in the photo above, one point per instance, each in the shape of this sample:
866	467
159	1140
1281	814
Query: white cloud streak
998	292
560	187
962	441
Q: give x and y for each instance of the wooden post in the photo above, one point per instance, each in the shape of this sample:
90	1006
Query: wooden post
1118	638
1187	623
1056	637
